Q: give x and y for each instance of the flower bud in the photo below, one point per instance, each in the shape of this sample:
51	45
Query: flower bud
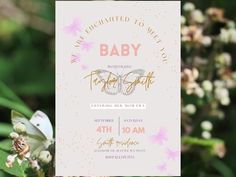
190	109
14	135
230	24
34	165
197	16
207	85
199	92
206	134
206	125
221	93
188	7
206	41
45	157
19	128
224	36
225	101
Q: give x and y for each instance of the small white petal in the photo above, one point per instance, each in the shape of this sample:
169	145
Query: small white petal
27	155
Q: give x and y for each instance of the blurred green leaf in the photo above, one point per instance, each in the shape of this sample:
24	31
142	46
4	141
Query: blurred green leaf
222	168
8	93
6	145
7	27
3	174
16	106
10	100
5	129
16	170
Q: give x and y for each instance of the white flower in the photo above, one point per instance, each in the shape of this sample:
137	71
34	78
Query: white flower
14	135
228	35
224	59
45	157
207	85
190	109
199	92
224	36
230	24
219	83
206	125
227	58
221	93
206	41
188	7
206	134
188	80
232	35
19	128
225	101
197	16
230	83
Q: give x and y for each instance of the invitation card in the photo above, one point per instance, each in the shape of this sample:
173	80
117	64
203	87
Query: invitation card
118	88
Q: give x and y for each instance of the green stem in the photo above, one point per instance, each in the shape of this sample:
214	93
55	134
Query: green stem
187	140
16	106
41	173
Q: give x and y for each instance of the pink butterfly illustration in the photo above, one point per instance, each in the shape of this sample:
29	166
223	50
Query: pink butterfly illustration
172	154
162	167
160	137
75	58
86	46
84	67
74	27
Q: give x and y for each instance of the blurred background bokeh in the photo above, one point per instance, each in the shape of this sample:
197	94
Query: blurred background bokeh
27	53
27	71
27	64
208	56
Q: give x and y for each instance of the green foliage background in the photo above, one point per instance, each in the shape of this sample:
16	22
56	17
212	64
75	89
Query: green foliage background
196	165
27	67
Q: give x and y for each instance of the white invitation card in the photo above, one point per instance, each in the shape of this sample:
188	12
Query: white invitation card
118	88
